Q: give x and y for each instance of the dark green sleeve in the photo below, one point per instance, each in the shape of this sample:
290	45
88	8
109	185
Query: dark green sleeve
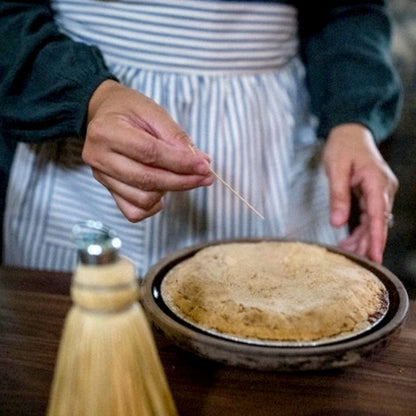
350	70
46	79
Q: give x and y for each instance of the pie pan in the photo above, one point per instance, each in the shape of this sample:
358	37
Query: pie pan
274	356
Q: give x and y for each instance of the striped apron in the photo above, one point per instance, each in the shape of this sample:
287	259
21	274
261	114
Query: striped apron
229	74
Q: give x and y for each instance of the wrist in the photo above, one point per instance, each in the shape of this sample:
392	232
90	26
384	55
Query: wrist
99	95
351	133
353	129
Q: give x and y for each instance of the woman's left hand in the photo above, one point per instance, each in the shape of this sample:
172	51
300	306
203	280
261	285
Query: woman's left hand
354	165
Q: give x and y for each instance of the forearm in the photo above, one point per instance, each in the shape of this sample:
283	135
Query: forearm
46	78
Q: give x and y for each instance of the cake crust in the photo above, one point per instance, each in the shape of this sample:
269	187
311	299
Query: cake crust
274	291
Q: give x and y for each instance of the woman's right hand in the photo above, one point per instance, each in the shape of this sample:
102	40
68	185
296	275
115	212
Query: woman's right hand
138	152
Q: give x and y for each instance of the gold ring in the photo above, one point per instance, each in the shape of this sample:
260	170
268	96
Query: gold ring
389	219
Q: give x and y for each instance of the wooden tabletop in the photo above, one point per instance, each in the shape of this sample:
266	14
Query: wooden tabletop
33	306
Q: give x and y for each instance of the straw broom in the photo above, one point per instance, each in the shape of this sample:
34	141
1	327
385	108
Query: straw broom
107	360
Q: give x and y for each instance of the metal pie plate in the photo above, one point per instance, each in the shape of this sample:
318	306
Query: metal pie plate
272	343
250	353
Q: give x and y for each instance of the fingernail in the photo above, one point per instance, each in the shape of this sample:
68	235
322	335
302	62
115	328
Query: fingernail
202	168
338	216
207	181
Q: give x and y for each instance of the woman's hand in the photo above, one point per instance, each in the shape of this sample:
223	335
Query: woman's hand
138	152
354	165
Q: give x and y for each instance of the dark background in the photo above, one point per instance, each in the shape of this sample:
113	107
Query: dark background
400	149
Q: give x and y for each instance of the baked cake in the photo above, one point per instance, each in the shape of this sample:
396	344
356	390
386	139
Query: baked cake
274	291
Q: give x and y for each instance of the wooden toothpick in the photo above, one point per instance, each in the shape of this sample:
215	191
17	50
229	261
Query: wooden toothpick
241	198
230	188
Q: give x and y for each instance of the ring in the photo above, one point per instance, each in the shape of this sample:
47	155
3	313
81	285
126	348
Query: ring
389	219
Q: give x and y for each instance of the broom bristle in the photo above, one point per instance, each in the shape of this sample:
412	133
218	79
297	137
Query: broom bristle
107	362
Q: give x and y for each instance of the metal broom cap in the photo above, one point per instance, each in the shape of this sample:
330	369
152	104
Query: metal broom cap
96	243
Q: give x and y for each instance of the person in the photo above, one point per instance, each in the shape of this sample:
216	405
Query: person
120	111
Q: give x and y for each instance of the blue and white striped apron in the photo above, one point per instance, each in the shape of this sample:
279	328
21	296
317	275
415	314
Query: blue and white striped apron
229	74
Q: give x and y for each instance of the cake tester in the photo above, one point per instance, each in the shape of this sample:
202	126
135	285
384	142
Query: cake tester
230	188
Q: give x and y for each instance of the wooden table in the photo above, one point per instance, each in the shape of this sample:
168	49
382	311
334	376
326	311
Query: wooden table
33	306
